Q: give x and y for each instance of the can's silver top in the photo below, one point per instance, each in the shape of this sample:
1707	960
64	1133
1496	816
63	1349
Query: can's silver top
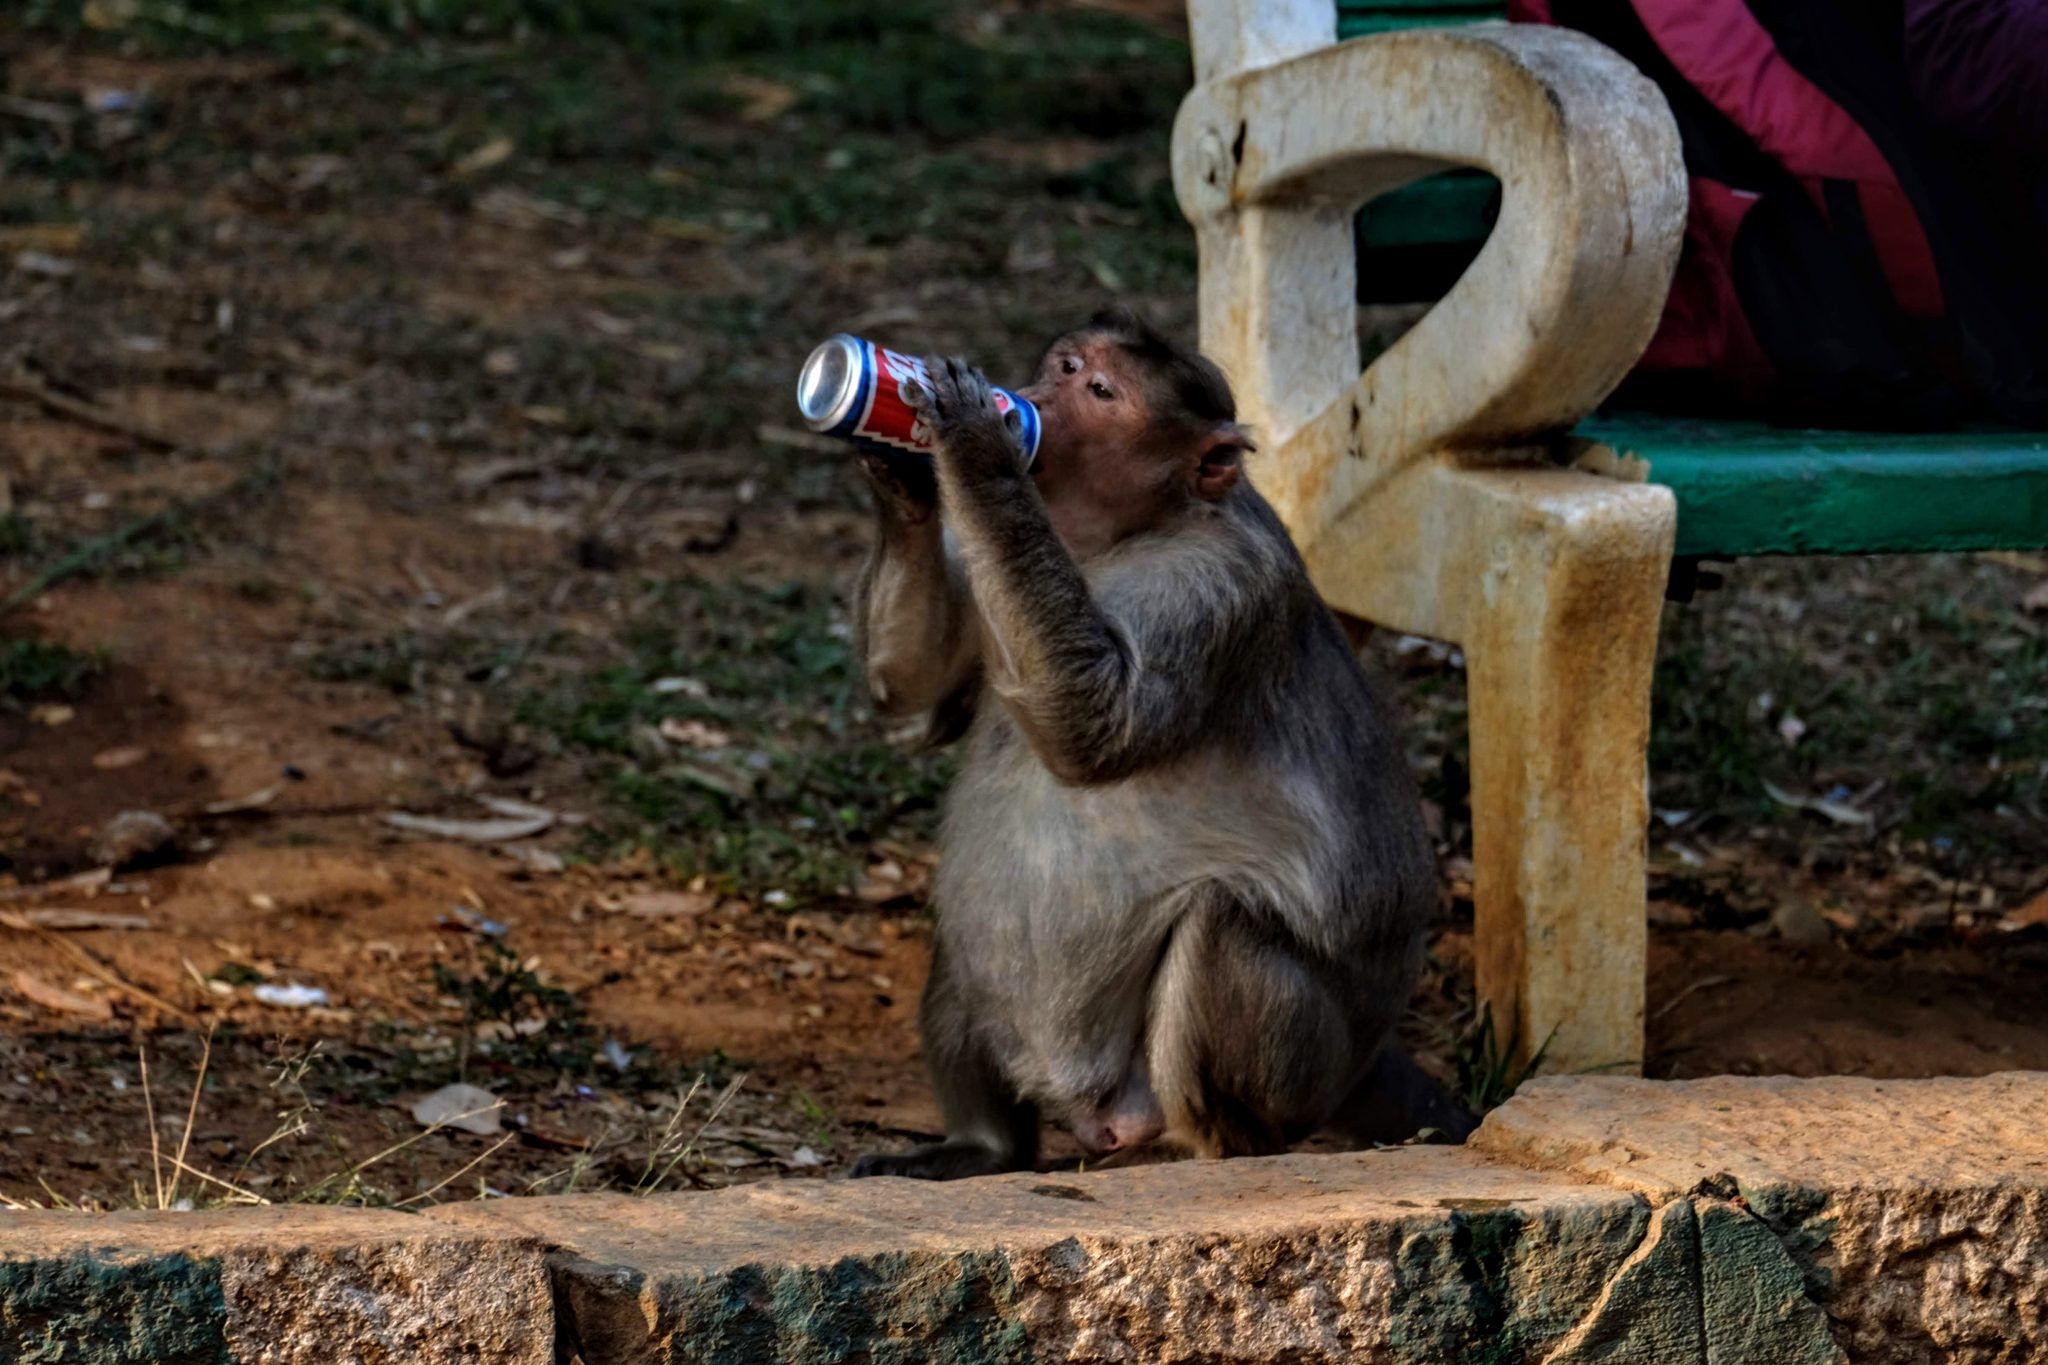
829	383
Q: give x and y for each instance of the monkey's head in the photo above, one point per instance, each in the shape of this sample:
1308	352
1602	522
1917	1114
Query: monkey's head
1135	430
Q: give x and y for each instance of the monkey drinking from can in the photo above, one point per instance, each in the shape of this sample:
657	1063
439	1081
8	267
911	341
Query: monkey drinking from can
1184	878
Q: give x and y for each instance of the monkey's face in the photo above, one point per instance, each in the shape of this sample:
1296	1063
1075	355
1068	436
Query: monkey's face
1103	469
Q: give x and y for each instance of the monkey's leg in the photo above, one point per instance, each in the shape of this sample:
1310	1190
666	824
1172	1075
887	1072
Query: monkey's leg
1250	1041
989	1130
1397	1099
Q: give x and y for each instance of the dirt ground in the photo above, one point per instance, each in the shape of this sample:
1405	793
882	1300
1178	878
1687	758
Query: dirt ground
403	425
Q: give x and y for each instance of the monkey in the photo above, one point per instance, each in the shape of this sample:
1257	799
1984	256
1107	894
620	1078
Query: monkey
1184	877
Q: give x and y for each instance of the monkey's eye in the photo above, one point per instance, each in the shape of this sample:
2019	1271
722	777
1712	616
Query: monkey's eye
1100	390
1070	364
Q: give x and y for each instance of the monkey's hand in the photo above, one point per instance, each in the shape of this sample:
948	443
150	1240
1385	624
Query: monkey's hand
906	488
969	433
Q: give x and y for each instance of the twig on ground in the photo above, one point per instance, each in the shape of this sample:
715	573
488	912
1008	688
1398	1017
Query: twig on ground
191	1114
156	1154
1702	984
82	881
732	1088
436	1188
79	410
41	111
394	1149
91	964
250	1195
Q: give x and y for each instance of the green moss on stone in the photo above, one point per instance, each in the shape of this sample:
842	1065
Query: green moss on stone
91	1310
1753	1299
896	1309
1798	1214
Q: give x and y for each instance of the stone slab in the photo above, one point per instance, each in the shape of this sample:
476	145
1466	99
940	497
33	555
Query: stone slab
1604	1221
1916	1210
1407	1255
268	1286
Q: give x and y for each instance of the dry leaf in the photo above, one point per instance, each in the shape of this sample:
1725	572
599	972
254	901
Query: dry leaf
57	998
290	996
661	904
52	714
84	919
79	881
1841	812
56	239
519	821
492	153
109	14
468	1107
682	230
694	733
872	892
127	756
760	100
2032	915
255	800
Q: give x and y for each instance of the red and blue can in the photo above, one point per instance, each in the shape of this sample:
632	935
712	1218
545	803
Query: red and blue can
861	391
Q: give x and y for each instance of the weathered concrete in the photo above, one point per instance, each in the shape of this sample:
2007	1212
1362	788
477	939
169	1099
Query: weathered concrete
1405	1255
270	1286
1592	1220
1424	493
1916	1210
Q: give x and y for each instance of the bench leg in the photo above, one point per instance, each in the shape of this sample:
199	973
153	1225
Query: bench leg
1553	580
1560	642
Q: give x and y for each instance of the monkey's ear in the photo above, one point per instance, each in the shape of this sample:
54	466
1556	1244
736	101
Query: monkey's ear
1218	461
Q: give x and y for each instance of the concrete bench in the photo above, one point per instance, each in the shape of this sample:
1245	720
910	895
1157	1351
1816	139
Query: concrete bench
1458	489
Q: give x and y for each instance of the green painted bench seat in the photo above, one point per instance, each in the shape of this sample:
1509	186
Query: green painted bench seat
1743	488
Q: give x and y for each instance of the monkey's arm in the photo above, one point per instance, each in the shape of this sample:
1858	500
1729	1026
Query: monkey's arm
915	631
1099	692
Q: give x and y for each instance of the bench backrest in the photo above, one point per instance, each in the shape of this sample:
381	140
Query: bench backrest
1742	488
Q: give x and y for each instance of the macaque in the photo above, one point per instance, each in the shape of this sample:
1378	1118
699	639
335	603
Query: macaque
1184	877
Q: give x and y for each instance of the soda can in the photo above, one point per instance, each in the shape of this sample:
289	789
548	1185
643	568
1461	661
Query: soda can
858	390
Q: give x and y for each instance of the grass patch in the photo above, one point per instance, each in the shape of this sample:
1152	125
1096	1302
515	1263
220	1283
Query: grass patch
1944	703
1914	681
35	670
895	66
1487	1071
772	776
733	745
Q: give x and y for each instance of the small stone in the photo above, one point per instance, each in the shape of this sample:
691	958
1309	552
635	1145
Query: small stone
131	837
1796	921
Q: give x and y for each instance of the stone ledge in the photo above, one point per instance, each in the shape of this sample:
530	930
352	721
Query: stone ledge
1917	1210
1591	1220
280	1286
1410	1254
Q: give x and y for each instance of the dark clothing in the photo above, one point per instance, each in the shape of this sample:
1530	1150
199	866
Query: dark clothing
1865	242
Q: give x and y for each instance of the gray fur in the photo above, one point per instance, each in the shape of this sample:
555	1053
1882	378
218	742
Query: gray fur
1183	832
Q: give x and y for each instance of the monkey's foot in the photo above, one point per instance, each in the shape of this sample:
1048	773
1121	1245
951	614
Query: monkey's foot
941	1161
